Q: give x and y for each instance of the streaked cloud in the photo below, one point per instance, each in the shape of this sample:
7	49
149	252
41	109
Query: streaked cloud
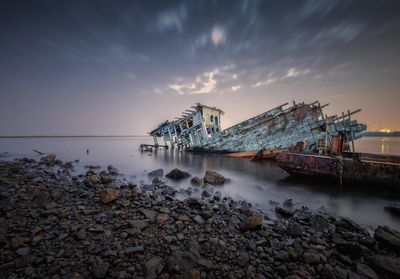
204	83
272	77
172	19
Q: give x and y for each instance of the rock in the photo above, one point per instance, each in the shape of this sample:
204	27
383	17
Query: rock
138	224
50	160
177	174
40	196
199	220
388	237
153	266
112	170
133	250
161	218
366	271
348	224
196	180
252	222
194	202
91	180
205	194
105	178
311	257
23	251
17	242
151	215
181	262
243	258
158	181
214	178
350	248
283	212
100	270
217	196
81	234
387	265
156	173
108	195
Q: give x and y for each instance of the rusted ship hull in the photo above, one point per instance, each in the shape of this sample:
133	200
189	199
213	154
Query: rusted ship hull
351	167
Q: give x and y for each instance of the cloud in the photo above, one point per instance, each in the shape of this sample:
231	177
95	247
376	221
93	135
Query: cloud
218	35
343	33
272	78
206	82
236	88
171	20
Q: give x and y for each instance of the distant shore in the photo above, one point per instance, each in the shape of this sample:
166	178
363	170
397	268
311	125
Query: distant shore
381	134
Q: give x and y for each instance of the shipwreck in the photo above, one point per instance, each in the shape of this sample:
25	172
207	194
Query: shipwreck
295	127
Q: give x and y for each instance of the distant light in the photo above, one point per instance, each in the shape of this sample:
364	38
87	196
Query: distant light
385	131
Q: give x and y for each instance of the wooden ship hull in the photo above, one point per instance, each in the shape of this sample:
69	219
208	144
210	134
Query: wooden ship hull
282	129
350	167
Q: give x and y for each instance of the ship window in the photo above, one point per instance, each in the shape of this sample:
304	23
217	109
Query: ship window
216	120
212	118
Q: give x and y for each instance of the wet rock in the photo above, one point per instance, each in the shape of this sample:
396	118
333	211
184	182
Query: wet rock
91	180
100	270
153	267
284	212
214	178
388	237
133	250
17	242
49	160
199	220
151	215
81	234
311	257
252	222
366	271
177	174
350	248
138	224
348	224
158	181
217	196
205	194
105	178
23	251
112	170
156	173
40	196
196	180
108	195
161	218
387	265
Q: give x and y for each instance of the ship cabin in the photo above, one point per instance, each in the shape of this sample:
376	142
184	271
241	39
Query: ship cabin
192	128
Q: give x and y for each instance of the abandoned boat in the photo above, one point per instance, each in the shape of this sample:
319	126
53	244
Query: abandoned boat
343	166
282	129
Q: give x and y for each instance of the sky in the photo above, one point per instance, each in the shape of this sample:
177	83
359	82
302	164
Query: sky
122	67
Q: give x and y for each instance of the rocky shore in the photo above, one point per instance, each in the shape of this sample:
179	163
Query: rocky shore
100	225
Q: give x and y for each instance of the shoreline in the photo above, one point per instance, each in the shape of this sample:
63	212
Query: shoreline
100	225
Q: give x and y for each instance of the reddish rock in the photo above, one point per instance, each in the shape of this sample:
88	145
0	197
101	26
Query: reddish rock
108	195
214	178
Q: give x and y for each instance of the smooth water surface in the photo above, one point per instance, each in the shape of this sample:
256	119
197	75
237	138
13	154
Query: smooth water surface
261	183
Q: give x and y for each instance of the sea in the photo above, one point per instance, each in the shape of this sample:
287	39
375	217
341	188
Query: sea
262	184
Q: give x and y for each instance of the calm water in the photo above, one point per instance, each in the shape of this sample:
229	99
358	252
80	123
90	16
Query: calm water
259	183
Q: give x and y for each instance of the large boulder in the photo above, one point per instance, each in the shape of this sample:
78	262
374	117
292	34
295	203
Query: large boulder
108	195
156	173
388	237
214	178
252	222
387	265
177	174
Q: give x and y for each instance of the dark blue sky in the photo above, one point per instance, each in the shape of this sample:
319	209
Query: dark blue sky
120	67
